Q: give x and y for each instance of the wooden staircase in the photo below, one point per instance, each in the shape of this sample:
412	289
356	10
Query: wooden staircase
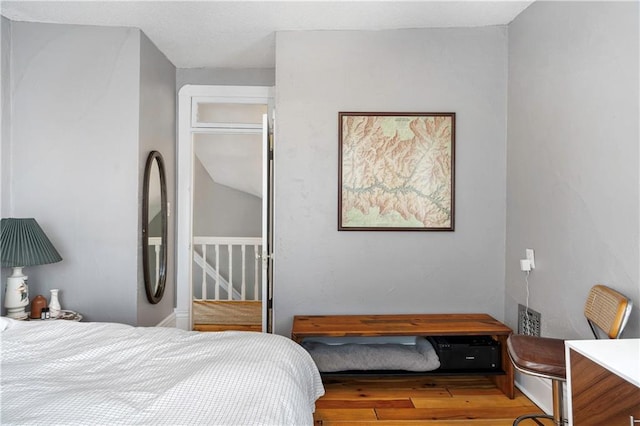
222	315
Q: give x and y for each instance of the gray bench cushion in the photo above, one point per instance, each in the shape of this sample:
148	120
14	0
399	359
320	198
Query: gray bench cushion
351	356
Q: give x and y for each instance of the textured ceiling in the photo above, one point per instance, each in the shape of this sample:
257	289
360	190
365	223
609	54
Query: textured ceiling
241	34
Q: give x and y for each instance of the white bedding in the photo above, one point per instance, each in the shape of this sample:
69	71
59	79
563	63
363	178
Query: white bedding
65	372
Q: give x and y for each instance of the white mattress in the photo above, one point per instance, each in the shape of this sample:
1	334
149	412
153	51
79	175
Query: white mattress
65	372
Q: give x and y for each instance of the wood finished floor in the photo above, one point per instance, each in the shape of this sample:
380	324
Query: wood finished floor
432	401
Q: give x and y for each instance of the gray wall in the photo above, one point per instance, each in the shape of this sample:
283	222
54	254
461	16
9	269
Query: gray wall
75	153
572	170
220	211
225	76
319	270
5	125
75	129
157	133
5	116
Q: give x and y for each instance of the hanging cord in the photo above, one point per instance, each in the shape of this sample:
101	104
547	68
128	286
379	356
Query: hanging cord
526	280
527	321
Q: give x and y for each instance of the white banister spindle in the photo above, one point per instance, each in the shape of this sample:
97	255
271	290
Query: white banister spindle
157	250
204	272
217	290
156	243
255	272
230	289
243	293
212	270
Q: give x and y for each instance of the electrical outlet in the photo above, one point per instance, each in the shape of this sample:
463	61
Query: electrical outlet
530	257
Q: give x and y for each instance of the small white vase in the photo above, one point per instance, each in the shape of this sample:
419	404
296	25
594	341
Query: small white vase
54	304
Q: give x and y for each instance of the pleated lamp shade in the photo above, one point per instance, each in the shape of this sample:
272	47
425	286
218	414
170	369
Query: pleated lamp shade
23	243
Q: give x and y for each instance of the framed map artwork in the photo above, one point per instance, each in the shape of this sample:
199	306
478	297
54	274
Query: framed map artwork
396	171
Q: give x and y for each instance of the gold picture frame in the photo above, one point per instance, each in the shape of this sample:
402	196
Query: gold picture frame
396	171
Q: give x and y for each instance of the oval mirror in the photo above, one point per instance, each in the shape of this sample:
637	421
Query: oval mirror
154	227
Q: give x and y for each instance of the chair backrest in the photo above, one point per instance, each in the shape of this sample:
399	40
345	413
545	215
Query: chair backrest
607	309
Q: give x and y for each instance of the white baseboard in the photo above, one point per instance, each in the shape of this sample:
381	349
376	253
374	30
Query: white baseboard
169	321
539	391
182	319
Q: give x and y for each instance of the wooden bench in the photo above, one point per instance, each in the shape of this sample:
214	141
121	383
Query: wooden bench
411	325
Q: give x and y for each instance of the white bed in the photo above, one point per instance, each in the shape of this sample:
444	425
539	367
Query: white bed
65	372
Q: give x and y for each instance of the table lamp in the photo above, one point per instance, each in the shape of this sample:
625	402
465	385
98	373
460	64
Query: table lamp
22	243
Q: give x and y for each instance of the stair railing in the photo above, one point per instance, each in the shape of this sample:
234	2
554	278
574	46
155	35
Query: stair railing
211	268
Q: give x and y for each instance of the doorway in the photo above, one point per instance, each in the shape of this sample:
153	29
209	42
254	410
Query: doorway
225	171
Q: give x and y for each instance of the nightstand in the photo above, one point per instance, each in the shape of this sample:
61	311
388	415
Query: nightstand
64	315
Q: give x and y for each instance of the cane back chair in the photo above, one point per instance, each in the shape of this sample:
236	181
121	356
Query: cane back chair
607	312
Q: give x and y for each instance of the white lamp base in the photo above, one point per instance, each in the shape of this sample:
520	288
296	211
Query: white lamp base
16	297
17	313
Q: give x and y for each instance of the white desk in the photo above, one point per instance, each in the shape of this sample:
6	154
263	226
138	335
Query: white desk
603	381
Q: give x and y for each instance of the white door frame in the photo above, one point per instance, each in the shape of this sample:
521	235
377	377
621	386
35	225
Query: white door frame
184	209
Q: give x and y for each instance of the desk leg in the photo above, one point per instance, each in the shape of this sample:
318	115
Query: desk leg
505	382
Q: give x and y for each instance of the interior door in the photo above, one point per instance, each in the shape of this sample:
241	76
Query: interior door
267	225
218	111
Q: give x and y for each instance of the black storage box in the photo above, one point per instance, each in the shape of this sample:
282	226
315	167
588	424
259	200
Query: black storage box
467	352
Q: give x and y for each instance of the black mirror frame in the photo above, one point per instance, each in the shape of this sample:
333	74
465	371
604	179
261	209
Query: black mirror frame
154	297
